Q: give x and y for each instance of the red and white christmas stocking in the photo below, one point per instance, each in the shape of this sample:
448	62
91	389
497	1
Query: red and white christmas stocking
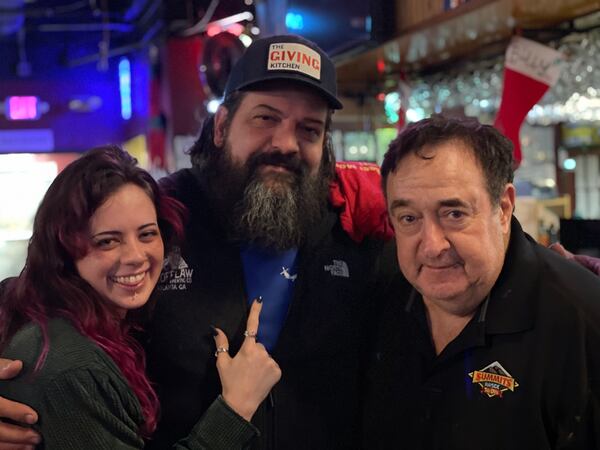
530	70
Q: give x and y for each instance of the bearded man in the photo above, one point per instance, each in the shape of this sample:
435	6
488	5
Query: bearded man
260	224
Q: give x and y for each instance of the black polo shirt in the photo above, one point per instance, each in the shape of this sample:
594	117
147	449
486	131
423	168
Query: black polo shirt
523	374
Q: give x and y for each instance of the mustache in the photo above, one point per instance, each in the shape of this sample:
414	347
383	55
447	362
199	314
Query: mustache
289	161
442	262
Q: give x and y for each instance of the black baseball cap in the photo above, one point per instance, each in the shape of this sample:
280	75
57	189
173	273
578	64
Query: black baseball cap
285	57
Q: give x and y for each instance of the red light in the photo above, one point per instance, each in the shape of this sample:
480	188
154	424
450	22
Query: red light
381	96
213	30
236	29
380	65
22	108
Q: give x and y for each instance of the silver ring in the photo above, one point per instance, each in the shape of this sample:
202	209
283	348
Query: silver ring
221	350
250	334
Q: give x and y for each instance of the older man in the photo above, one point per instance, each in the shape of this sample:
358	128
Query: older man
498	346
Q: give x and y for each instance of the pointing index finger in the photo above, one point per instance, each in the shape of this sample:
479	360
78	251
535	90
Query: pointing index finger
253	317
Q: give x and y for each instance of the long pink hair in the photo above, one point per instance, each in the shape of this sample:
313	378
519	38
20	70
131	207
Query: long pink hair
49	284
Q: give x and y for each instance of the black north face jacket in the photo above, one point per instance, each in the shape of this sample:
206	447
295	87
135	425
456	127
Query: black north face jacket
320	350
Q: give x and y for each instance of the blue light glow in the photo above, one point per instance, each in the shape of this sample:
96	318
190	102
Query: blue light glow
294	21
391	106
569	164
125	88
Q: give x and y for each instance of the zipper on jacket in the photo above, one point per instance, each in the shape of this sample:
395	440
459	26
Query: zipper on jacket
271	399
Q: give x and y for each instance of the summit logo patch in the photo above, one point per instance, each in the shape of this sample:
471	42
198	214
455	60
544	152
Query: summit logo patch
494	380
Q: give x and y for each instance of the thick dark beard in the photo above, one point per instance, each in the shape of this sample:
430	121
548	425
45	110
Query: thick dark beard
273	210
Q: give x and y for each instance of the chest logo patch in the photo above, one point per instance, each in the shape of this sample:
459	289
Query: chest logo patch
176	274
339	268
494	380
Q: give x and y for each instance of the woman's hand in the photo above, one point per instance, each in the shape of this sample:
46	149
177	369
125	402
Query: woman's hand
248	377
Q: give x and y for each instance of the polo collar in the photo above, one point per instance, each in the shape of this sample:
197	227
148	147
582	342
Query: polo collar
512	303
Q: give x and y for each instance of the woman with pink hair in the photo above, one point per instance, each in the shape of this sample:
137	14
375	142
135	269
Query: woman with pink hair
96	254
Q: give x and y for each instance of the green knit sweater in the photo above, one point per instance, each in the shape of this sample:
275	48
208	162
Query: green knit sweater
84	402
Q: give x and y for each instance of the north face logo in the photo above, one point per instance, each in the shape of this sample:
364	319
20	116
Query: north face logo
339	268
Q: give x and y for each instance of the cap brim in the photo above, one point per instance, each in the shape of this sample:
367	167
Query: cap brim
332	101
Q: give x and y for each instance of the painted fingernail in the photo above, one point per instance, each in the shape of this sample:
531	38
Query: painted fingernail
30	419
259	299
214	330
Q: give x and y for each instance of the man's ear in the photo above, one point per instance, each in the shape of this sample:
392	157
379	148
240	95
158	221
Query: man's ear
220	126
507	206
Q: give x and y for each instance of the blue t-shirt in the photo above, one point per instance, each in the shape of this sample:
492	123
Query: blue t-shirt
272	275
